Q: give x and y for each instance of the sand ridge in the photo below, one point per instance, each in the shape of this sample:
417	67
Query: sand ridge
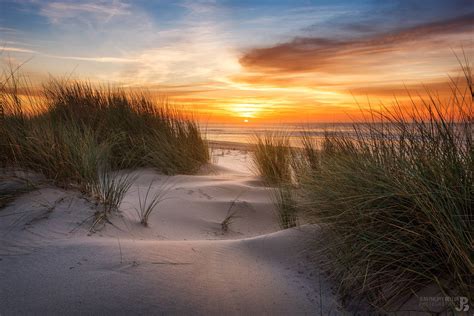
182	263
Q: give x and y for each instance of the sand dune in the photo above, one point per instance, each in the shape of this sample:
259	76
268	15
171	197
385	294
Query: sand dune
181	263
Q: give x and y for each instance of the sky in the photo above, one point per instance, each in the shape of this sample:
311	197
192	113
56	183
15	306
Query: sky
253	61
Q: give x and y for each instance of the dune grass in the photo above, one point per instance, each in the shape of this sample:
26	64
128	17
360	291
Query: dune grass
78	127
72	131
286	206
397	201
149	202
109	189
395	198
231	214
271	158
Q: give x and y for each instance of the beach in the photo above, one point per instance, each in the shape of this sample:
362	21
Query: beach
236	157
182	262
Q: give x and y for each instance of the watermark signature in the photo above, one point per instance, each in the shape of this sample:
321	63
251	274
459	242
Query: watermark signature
460	303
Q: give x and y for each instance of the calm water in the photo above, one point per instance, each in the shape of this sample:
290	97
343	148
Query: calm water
245	133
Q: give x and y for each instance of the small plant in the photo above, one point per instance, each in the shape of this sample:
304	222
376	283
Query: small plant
109	190
148	204
231	215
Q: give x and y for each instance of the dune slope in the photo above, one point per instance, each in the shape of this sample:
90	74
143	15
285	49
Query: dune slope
181	263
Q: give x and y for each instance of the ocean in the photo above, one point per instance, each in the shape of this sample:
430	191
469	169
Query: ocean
246	132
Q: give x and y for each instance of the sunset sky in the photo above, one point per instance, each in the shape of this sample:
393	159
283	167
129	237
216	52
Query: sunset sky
245	60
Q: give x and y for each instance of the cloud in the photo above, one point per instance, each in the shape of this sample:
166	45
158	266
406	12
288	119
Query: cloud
7	30
16	50
437	87
383	16
141	47
56	12
375	60
99	59
199	6
192	50
324	54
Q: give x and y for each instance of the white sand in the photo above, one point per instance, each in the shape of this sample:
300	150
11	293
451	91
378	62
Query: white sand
182	263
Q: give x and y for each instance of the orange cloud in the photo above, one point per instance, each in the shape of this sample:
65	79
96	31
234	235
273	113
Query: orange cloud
304	79
329	55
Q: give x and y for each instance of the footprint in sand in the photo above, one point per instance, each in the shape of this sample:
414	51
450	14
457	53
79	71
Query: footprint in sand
207	196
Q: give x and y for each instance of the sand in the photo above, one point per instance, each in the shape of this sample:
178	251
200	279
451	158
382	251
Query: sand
182	263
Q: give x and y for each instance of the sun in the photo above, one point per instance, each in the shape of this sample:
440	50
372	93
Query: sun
246	121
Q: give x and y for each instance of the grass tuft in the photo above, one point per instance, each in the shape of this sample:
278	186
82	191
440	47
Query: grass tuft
149	203
286	206
397	200
272	157
72	131
276	161
231	214
76	127
109	190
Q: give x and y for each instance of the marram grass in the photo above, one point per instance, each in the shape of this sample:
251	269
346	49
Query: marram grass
272	160
78	128
72	132
397	201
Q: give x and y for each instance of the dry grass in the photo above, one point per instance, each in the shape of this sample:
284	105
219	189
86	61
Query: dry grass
231	214
149	202
77	128
271	158
397	200
274	160
286	206
71	132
